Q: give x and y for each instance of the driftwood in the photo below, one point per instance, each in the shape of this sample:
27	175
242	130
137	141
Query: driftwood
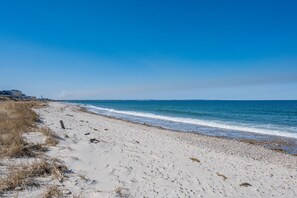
62	124
94	140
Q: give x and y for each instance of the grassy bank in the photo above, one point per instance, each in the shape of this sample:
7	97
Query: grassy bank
17	118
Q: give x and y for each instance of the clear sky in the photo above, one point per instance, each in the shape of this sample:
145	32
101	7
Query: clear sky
150	49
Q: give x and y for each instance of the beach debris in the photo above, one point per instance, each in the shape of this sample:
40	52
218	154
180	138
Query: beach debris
69	115
67	192
53	191
279	150
94	140
245	184
95	129
83	177
121	192
221	175
195	159
62	124
87	133
137	142
105	129
40	121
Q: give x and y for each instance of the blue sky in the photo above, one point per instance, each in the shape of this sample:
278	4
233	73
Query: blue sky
150	49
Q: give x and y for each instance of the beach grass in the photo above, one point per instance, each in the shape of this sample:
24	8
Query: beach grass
51	137
17	118
52	191
23	175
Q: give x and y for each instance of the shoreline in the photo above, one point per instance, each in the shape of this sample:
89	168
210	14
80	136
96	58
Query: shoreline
251	147
108	157
272	142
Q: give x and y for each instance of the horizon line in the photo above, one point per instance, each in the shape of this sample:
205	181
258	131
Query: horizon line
176	99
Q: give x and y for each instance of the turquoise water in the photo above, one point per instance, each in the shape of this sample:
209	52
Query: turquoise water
218	118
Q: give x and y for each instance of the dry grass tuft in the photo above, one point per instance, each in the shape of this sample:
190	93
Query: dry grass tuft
15	179
59	170
2	98
51	137
45	168
52	192
15	119
22	176
120	192
16	149
51	141
35	149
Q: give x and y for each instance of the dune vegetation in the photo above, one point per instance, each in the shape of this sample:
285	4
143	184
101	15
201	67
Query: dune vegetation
17	118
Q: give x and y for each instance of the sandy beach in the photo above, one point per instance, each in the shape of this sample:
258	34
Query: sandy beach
107	157
117	158
148	99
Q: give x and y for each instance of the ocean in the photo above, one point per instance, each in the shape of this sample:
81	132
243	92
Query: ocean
234	119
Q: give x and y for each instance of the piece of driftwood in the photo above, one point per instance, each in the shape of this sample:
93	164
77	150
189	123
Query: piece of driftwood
94	140
62	124
245	184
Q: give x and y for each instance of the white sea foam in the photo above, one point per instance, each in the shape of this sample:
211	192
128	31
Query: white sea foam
213	124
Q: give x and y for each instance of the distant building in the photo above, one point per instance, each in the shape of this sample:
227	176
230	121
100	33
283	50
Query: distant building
15	95
11	93
5	94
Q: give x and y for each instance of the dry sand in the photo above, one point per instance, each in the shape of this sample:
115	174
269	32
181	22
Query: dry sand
114	158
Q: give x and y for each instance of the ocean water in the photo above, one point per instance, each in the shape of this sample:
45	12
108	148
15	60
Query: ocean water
235	119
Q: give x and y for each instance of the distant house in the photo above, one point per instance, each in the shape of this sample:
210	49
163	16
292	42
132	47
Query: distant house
4	94
15	95
11	93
